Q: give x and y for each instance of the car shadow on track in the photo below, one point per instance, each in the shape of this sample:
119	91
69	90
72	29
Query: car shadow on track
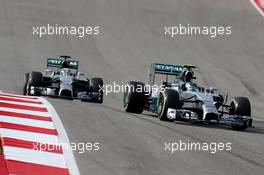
257	129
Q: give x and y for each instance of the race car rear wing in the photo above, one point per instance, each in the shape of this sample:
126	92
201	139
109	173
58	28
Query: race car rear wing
57	62
166	69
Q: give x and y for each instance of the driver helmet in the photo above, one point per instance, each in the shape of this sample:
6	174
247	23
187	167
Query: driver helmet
188	76
64	64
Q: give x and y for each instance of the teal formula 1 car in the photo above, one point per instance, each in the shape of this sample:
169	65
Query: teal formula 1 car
179	98
62	79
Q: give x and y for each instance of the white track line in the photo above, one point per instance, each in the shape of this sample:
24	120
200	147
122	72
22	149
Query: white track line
69	157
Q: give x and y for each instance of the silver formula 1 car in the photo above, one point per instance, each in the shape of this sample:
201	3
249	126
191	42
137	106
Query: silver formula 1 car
181	99
62	79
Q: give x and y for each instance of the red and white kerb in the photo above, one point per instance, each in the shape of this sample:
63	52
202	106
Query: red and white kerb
26	123
259	4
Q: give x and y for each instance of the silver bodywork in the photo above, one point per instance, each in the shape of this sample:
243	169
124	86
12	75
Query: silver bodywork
62	85
202	99
207	103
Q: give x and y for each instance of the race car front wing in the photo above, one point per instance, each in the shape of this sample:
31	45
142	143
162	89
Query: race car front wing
190	116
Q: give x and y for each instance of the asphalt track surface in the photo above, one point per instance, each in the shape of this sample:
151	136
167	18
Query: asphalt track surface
132	37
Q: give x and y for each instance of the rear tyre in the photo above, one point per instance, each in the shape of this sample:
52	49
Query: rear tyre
96	85
134	98
169	99
34	80
240	106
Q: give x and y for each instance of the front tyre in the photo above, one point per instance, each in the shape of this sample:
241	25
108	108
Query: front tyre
96	85
25	87
35	79
240	106
168	99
